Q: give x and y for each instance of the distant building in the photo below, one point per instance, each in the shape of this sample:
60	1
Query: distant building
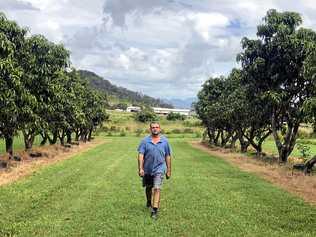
133	109
166	111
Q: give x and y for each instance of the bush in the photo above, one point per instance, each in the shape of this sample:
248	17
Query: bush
122	106
192	123
304	150
146	116
113	128
176	131
138	132
175	116
122	133
303	133
198	134
188	130
305	141
104	129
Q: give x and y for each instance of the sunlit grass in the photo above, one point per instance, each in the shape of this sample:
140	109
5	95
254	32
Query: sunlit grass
98	193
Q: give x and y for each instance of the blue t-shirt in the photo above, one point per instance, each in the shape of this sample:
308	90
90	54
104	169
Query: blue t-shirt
154	154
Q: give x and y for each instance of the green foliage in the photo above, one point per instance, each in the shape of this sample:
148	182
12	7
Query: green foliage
198	134
122	106
278	66
192	122
138	132
273	92
39	93
145	116
304	150
175	116
122	133
188	130
176	131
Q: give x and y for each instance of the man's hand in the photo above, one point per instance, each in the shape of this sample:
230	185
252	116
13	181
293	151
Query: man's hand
168	174
141	172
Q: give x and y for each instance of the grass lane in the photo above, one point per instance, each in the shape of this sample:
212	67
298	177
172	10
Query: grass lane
98	193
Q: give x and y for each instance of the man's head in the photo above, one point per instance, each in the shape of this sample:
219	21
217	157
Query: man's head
155	128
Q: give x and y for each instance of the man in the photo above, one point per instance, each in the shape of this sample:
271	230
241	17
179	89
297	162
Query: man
154	161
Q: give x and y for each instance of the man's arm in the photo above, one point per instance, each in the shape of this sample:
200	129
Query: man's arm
140	164
168	163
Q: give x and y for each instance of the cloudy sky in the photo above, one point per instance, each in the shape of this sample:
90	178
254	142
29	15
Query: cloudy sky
163	48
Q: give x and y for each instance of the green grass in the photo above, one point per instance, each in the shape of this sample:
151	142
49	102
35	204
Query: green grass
126	121
98	193
269	146
18	143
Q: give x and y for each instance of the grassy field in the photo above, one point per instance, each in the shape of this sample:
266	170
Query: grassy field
124	123
269	146
18	143
98	193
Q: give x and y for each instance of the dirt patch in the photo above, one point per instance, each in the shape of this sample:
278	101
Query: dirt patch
49	155
296	183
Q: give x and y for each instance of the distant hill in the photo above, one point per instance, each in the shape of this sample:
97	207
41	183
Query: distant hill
182	103
120	94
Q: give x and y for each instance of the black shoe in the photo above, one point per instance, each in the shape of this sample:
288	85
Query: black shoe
154	214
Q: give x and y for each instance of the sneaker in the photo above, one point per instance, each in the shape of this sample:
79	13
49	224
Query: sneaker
154	215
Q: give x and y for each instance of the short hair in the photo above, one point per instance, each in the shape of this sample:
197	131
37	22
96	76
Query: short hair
154	122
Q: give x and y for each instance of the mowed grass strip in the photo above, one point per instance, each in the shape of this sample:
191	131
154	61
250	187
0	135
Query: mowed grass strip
98	193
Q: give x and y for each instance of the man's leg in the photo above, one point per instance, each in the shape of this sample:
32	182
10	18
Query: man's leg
148	195
148	184
155	198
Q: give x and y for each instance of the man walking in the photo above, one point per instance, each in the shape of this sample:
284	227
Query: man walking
154	161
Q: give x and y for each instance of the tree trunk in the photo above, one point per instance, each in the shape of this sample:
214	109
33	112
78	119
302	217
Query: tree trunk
68	134
9	145
90	134
251	140
77	134
52	140
285	148
83	135
44	138
243	144
233	141
217	137
225	139
211	135
61	136
260	142
29	137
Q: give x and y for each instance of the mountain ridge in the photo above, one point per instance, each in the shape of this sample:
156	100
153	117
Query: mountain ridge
122	94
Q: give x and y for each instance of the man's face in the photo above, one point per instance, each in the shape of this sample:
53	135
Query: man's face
155	129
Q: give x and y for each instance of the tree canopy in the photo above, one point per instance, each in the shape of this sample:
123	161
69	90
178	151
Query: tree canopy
273	92
40	94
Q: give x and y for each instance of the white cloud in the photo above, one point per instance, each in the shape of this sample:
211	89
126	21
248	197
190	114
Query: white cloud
163	48
17	5
205	22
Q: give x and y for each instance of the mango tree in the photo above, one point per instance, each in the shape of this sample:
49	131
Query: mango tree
17	103
274	64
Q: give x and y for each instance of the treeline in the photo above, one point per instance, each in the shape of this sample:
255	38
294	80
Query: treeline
121	93
40	94
271	94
